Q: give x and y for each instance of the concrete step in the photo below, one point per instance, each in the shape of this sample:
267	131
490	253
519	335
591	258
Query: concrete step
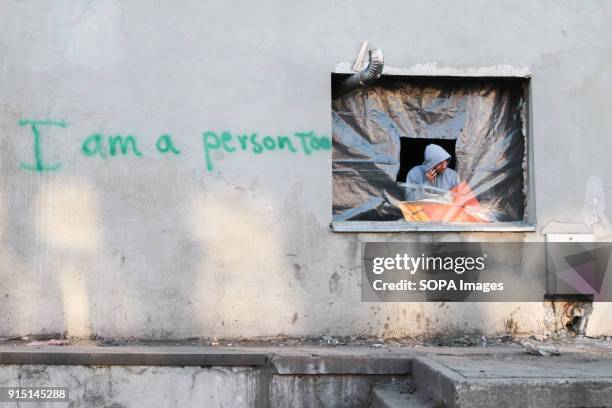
398	395
514	381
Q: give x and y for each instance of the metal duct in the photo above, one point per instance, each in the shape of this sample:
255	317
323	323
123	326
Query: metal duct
371	73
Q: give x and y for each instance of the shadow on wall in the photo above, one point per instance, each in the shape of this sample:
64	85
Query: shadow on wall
243	279
215	265
56	247
66	220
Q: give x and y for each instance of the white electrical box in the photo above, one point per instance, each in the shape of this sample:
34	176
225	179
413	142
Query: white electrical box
561	277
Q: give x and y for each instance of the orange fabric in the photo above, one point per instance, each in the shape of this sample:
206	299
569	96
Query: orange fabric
464	195
465	208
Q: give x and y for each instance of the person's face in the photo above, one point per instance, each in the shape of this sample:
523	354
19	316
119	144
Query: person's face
440	167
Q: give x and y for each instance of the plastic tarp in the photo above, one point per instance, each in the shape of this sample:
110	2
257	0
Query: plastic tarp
486	117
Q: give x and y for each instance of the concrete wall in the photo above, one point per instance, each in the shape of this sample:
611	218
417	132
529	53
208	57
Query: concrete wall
159	246
223	387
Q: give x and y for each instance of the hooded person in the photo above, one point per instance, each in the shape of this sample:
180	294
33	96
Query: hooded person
434	171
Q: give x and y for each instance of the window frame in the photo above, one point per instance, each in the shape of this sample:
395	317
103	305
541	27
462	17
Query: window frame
528	224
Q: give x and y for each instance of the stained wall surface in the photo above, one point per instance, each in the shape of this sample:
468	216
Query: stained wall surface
193	233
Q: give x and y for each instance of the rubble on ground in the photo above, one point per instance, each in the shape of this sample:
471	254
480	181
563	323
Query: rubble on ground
325	341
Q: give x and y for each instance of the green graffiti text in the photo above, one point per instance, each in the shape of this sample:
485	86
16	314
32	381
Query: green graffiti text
94	144
106	146
39	164
164	145
309	142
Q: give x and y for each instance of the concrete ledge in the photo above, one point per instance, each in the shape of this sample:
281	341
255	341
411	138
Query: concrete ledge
341	364
432	69
127	356
403	226
481	382
281	361
318	376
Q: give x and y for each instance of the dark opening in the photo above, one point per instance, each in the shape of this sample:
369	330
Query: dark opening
412	151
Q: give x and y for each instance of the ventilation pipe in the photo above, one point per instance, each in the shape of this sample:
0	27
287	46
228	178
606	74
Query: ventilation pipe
369	74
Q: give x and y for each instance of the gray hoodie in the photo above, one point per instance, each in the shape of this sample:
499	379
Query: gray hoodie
434	155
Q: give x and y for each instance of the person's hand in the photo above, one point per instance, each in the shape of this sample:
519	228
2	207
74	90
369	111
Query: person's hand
431	176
